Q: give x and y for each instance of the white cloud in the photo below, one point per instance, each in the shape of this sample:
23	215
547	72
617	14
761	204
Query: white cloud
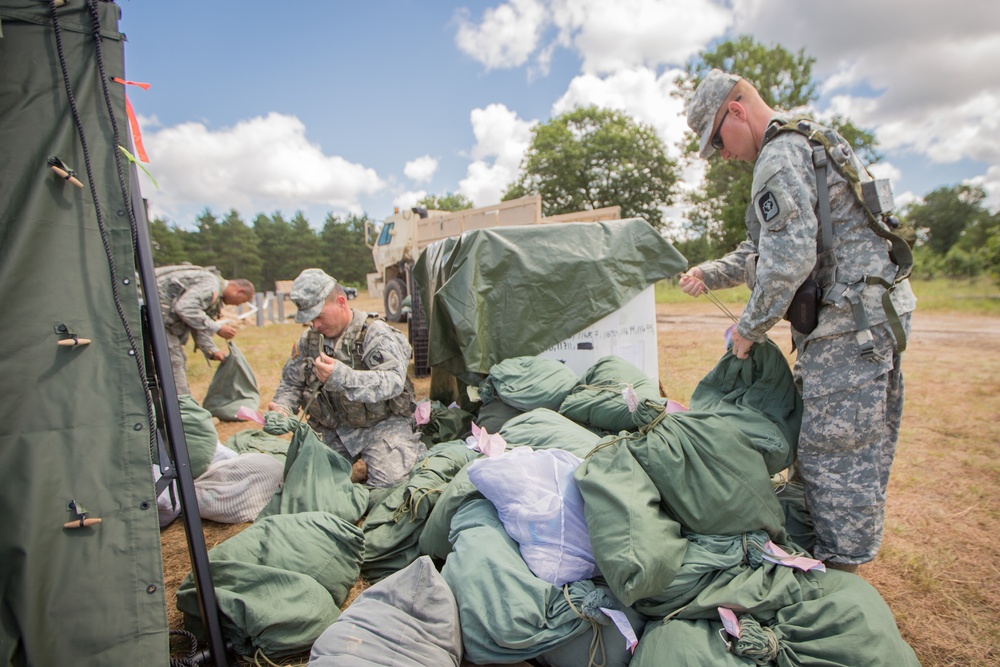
886	169
507	35
917	71
608	36
422	169
640	93
260	164
990	182
501	141
409	199
625	34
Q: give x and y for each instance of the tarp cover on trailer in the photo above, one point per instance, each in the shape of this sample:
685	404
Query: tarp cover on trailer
492	294
74	424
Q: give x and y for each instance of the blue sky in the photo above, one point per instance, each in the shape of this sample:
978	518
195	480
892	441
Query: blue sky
351	107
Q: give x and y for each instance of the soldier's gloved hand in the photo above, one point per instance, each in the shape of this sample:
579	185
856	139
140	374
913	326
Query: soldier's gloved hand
691	283
219	355
227	331
324	367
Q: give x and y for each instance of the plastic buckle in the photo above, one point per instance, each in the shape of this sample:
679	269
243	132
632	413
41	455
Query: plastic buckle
866	342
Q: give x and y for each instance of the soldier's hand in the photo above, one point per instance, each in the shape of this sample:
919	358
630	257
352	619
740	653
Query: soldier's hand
691	283
324	367
227	331
219	355
278	407
741	346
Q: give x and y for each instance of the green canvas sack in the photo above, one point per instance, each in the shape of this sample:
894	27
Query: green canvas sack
199	432
233	386
280	582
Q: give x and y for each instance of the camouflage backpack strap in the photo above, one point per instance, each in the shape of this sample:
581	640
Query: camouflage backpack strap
824	152
358	344
900	252
314	345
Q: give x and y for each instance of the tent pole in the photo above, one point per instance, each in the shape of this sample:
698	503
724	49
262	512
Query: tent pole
170	428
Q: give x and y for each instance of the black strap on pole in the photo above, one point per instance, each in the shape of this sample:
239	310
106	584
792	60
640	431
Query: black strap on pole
170	428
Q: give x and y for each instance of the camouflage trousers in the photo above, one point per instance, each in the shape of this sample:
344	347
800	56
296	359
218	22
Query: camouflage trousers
853	407
178	363
389	448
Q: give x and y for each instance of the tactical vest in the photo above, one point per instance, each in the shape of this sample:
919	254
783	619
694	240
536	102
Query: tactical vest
334	409
828	149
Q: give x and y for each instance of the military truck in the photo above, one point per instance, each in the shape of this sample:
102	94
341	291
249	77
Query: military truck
405	233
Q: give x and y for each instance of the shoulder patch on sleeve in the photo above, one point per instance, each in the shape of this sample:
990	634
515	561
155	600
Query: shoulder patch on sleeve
295	350
767	206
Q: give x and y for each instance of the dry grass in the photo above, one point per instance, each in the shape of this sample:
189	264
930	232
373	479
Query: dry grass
937	569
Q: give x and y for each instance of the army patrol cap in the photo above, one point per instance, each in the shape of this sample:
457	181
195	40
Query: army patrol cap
309	293
705	104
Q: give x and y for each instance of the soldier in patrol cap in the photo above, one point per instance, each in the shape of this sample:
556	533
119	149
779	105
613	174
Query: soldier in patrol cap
348	371
191	298
848	365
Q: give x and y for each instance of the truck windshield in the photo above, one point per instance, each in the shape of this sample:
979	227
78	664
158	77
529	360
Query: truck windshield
386	235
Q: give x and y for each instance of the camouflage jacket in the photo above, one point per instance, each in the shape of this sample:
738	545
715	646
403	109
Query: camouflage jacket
190	301
781	247
368	385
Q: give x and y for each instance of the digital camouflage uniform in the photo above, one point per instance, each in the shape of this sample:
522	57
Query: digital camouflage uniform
365	407
190	301
853	403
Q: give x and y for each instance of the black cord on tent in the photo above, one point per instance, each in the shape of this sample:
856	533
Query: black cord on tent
150	413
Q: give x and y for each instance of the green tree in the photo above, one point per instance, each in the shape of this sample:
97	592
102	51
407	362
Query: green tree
168	243
237	254
590	158
202	245
784	80
949	212
449	202
304	245
274	236
345	255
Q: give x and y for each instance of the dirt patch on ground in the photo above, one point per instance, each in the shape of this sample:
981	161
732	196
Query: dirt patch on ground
937	568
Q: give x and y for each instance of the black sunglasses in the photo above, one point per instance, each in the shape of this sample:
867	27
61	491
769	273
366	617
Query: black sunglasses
717	137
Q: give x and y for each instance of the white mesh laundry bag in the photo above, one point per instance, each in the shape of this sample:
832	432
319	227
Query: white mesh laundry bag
541	508
234	490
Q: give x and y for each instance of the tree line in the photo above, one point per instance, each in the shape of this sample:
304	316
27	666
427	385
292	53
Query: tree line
590	158
269	249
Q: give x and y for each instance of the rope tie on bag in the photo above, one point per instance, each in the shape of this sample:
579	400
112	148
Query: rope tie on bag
756	642
591	612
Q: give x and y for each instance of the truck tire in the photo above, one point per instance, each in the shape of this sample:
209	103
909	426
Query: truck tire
395	292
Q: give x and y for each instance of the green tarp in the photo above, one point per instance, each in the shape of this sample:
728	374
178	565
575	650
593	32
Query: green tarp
74	423
492	294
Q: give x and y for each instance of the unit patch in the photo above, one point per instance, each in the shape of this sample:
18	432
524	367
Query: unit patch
767	204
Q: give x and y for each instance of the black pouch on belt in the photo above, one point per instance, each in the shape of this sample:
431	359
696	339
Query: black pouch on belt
803	312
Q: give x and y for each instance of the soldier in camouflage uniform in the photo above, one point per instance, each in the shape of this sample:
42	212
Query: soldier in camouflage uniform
853	395
349	373
191	298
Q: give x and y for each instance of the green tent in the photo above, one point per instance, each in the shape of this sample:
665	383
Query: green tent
75	421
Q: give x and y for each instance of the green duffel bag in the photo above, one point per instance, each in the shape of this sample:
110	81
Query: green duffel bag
527	383
199	433
233	386
394	523
280	582
598	401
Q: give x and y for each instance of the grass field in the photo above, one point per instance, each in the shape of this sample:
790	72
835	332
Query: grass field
938	566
